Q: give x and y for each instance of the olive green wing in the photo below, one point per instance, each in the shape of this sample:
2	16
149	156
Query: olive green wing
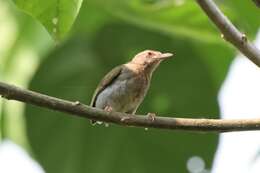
107	80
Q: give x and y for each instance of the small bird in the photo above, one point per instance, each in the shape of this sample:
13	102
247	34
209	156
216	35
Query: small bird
124	87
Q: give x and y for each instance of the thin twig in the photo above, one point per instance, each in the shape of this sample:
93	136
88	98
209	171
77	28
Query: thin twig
229	31
75	108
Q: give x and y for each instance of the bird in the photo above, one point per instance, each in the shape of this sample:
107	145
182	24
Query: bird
124	88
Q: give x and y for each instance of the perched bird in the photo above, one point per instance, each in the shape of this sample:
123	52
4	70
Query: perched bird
124	87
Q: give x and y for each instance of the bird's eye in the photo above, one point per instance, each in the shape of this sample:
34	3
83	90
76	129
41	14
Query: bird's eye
150	53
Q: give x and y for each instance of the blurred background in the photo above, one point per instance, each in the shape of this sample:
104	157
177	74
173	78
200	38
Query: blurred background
63	48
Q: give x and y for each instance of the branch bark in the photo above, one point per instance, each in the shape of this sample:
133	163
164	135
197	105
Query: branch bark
77	109
229	31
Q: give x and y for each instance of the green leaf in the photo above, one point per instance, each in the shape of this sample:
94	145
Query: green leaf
247	22
178	18
181	87
57	16
23	42
90	19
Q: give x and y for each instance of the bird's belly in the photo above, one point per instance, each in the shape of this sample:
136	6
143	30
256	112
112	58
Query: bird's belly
122	96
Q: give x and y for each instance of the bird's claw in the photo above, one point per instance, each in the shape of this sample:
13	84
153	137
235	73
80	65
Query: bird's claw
151	116
108	109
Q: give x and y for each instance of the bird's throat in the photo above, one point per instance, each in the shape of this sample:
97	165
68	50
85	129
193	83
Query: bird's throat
136	68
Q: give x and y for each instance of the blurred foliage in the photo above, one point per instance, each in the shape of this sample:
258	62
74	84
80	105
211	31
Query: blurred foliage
76	68
23	42
105	34
247	16
56	16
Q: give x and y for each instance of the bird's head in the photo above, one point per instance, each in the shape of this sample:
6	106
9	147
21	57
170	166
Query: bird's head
150	59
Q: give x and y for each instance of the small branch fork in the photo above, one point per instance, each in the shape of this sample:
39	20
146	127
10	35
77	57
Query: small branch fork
11	92
229	31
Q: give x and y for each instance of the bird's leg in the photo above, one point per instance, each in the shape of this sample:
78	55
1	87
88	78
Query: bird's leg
151	116
108	109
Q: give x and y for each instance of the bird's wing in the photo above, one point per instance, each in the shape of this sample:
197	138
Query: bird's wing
107	80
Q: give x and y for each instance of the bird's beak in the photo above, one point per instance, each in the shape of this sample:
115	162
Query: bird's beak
164	56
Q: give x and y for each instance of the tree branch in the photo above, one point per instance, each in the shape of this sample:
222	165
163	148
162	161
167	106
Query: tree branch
257	3
229	31
77	109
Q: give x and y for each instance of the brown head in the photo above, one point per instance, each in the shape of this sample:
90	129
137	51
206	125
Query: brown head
150	59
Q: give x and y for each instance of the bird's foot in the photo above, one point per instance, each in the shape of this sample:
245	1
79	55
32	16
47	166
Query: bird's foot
108	109
94	122
151	116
